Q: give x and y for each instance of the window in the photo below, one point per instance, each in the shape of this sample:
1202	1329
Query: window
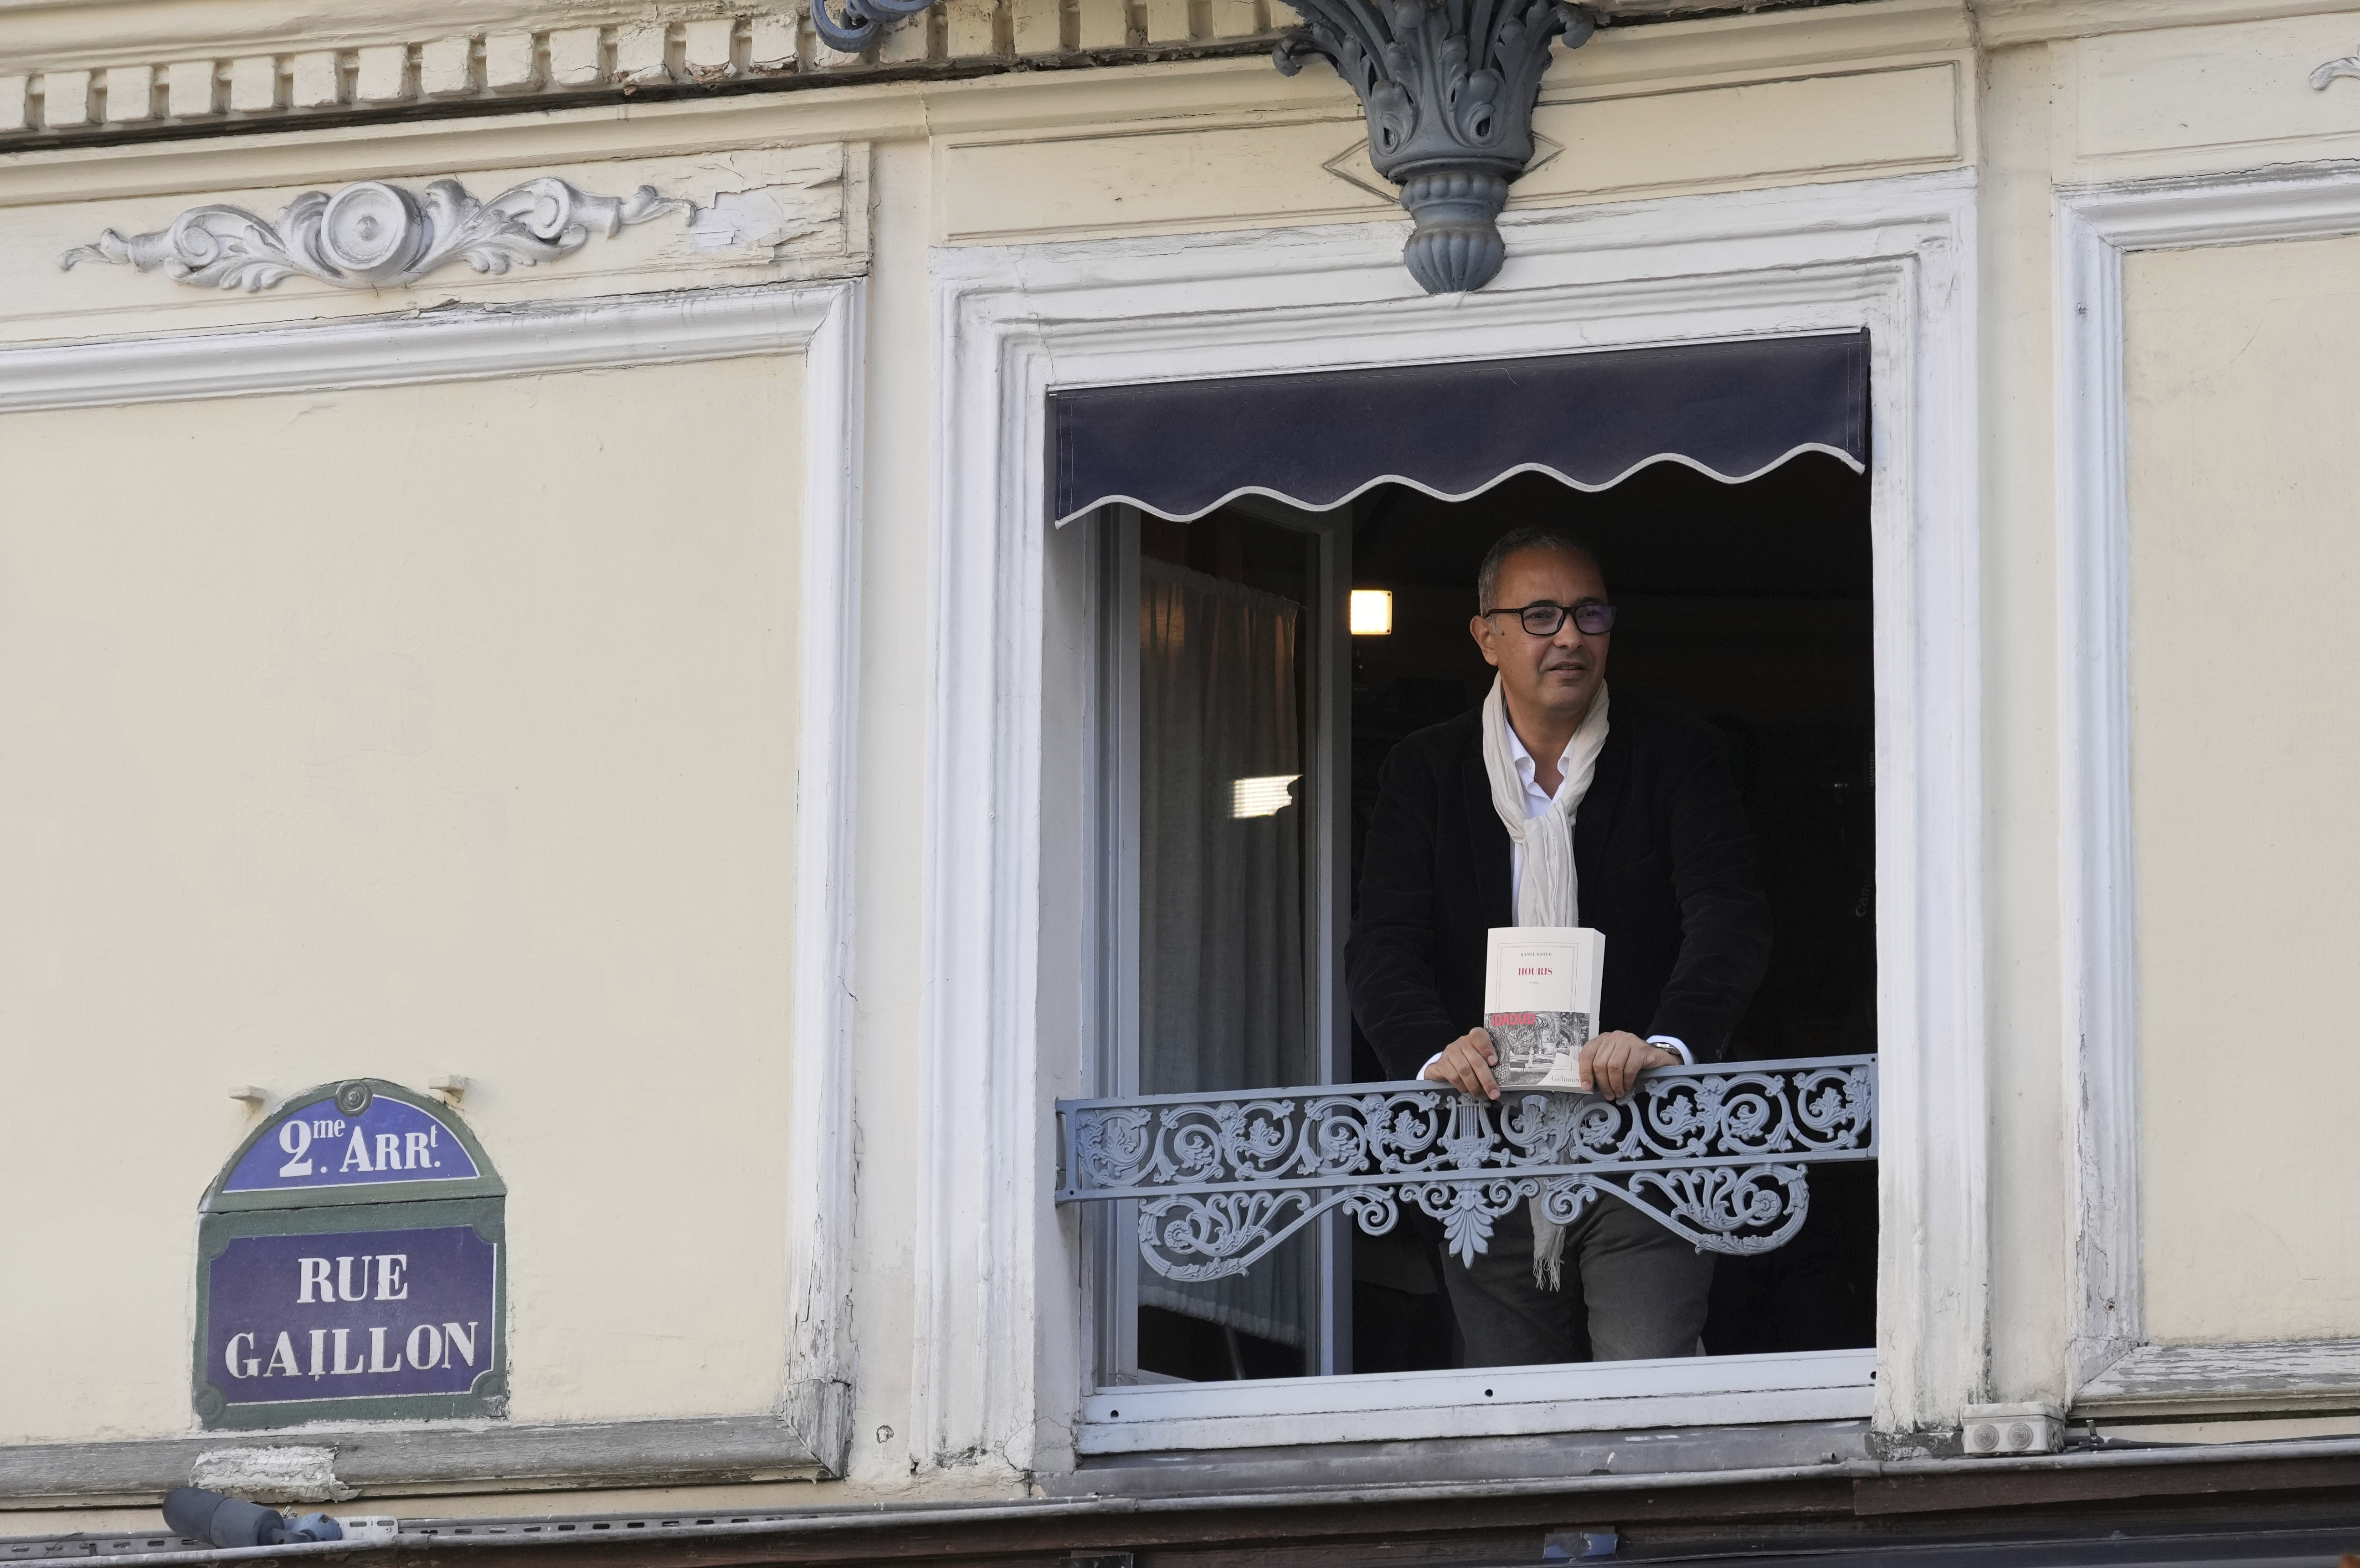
1020	877
1253	727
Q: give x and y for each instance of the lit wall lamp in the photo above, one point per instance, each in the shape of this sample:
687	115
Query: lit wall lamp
1372	612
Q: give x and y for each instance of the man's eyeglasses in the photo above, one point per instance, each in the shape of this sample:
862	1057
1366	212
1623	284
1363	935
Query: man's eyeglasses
1591	618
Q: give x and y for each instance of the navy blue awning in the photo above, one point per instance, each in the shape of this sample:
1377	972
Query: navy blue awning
1733	409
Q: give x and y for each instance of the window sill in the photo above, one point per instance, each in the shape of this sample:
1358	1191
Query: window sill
2203	1379
1622	1395
371	1461
1471	1461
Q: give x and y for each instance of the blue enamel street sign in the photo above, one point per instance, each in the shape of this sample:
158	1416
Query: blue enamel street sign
352	1314
317	1146
350	1265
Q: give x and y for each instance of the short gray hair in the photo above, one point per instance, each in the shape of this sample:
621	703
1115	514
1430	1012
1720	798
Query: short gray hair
1516	541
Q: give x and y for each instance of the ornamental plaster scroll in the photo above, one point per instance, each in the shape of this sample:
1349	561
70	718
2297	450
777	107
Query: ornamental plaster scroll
2343	65
373	235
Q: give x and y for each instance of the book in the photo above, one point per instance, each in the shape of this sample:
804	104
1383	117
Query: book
1541	988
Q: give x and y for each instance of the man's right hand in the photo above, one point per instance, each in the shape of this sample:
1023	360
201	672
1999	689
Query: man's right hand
1465	1064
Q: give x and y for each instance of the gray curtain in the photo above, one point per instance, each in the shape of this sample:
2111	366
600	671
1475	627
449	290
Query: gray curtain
1222	1004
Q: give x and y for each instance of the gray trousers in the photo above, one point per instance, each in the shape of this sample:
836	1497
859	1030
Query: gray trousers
1639	1290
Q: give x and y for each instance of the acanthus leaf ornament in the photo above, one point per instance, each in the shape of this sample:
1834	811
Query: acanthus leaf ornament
374	235
1720	1155
1449	87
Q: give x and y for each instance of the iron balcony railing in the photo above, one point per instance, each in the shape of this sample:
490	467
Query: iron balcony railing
1718	1153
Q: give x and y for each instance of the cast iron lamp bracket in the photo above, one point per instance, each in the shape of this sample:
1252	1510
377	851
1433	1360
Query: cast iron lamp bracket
1449	87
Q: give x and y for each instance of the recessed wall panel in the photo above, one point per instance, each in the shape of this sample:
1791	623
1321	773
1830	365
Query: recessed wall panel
2242	375
399	734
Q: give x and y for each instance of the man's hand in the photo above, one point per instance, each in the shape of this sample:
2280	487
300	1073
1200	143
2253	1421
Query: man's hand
1466	1064
1611	1063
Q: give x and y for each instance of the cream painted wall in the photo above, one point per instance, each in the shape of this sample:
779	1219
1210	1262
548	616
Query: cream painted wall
435	729
2243	372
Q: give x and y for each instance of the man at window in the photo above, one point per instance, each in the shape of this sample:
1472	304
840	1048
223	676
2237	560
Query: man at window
1551	805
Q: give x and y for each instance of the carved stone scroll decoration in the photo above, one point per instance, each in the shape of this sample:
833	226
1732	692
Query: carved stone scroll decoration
1717	1155
1449	87
377	235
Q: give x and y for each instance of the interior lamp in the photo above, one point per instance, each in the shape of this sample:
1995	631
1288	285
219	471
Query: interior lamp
1372	612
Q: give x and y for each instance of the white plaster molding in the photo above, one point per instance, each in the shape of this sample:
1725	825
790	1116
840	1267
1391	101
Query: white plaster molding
2100	894
372	235
2005	24
2094	227
996	1373
447	344
817	1404
823	322
1761	44
2204	1379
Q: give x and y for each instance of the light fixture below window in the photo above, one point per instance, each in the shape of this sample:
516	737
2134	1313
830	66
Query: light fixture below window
1264	796
1372	612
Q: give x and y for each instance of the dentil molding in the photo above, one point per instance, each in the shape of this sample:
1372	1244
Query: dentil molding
373	235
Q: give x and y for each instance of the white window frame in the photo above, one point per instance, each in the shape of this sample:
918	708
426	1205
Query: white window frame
2114	1370
1002	1357
1115	755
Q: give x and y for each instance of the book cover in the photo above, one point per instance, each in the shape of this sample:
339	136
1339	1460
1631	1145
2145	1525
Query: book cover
1540	1002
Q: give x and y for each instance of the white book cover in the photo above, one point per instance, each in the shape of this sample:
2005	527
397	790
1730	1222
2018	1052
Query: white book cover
1541	987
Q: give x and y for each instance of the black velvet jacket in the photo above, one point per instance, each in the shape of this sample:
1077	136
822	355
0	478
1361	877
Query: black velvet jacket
1667	867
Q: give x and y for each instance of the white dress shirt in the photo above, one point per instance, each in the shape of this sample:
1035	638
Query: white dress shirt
1536	801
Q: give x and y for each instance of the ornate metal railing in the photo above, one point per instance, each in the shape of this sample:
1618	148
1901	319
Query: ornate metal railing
1719	1154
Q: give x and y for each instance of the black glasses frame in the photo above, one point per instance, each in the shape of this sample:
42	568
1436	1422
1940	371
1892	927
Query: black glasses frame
1591	618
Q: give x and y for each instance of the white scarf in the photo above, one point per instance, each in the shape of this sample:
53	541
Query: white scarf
1549	893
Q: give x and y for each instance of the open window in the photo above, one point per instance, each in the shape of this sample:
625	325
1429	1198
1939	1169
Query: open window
1274	620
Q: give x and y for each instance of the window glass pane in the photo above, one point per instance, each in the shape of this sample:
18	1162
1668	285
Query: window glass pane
1221	1000
1224	813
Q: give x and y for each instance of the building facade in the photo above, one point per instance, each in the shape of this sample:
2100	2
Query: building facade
548	615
